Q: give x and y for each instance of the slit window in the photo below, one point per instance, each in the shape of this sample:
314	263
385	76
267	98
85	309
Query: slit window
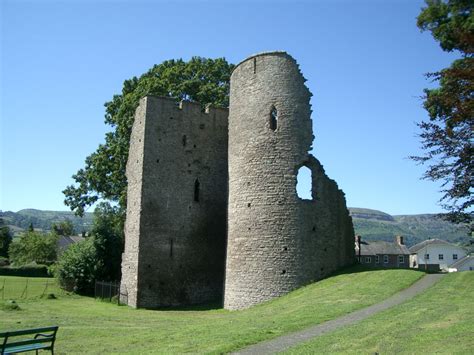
273	119
196	190
184	140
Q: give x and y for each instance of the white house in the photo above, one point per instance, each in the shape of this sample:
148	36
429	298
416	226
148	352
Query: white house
465	264
433	252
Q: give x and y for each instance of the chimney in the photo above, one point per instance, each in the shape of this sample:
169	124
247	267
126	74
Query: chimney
399	240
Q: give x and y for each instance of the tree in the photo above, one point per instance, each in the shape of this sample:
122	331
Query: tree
34	247
5	239
108	240
447	137
78	266
65	228
103	177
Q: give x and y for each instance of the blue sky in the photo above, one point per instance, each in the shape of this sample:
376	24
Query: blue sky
364	61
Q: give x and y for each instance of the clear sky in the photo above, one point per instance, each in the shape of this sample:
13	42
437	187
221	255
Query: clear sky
364	61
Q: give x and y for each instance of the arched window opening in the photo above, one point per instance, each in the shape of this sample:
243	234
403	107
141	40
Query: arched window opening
273	119
196	190
304	183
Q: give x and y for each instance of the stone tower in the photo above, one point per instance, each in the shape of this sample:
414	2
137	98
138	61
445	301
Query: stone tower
175	231
277	241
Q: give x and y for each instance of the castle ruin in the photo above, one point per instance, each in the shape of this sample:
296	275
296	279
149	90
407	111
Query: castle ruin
213	212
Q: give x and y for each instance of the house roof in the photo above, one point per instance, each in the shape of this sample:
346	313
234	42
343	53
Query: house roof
381	247
462	261
424	243
65	241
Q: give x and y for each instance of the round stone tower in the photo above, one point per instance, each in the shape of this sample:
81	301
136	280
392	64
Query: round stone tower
270	134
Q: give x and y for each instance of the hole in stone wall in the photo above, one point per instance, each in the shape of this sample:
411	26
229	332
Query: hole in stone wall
304	183
249	204
196	190
157	160
285	248
184	141
314	229
254	65
273	119
283	272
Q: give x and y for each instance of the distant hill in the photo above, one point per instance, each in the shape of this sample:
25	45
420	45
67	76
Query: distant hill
377	225
42	220
370	224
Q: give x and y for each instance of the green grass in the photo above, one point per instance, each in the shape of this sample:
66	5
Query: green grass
441	321
91	326
22	288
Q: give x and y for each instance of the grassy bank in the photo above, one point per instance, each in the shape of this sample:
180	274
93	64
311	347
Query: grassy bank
440	321
91	326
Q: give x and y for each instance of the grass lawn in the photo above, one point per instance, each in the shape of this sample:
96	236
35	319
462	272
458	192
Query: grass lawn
441	321
91	326
21	288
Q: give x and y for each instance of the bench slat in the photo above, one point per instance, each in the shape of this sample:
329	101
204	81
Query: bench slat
28	331
18	349
30	341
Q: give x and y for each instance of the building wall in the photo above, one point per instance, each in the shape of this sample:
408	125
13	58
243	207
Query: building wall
276	241
393	261
434	250
467	266
177	200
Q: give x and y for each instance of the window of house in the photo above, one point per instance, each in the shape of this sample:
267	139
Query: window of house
427	256
385	259
455	256
377	259
368	259
401	259
440	256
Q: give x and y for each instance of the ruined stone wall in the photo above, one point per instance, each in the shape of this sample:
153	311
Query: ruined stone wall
177	200
276	241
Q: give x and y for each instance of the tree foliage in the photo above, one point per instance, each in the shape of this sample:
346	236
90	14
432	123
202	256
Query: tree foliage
5	239
103	177
96	258
65	228
447	137
108	240
34	247
78	266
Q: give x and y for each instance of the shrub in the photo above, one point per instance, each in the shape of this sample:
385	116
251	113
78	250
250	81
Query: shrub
78	266
31	270
4	261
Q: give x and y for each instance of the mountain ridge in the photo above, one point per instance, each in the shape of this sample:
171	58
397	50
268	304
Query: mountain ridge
369	223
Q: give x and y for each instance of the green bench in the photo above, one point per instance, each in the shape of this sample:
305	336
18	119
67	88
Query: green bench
19	341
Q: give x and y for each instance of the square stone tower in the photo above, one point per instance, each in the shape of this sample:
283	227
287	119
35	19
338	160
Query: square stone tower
175	231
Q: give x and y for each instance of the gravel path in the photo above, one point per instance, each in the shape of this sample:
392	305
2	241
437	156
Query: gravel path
287	341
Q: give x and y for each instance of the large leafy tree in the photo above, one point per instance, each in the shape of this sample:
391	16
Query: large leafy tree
447	137
5	239
34	247
103	177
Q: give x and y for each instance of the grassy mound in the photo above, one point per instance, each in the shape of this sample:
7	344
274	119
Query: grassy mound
441	321
87	325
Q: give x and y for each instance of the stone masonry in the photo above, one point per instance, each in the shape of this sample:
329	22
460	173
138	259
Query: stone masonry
277	241
175	228
203	183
